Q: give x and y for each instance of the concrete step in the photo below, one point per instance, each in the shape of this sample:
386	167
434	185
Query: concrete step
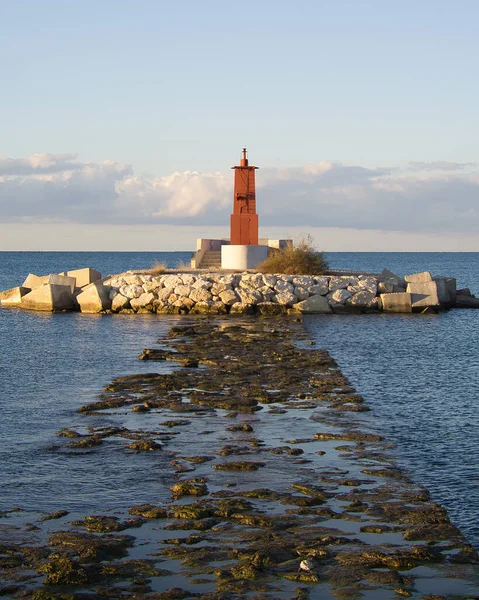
211	258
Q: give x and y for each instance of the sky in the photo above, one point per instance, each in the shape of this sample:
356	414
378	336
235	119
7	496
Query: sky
120	120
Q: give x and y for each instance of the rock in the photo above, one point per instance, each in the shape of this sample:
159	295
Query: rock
321	288
84	277
49	297
200	294
314	304
386	287
369	284
171	281
168	309
302	292
187	279
218	308
338	283
249	295
152	286
131	290
363	299
183	290
267	293
399	303
270	280
228	297
283	286
374	306
132	279
186	303
231	279
217	288
13	296
94	298
339	296
271	309
200	308
164	294
116	282
241	309
418	277
120	302
144	301
202	283
285	298
303	281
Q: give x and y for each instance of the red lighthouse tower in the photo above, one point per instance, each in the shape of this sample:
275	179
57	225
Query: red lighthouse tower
244	220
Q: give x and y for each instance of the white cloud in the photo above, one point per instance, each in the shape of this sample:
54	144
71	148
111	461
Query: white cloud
426	197
39	163
440	165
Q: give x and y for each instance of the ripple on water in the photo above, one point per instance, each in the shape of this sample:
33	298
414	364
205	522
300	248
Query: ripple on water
419	375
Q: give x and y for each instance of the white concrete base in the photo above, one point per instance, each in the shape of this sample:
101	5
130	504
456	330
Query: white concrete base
239	257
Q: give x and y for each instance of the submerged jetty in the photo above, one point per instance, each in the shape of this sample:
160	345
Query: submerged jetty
219	292
273	485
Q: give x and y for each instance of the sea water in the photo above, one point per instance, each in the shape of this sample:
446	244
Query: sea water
418	373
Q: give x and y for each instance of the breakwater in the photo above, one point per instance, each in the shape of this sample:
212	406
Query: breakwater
277	486
237	293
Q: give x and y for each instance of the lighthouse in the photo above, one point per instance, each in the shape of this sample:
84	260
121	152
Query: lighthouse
244	249
244	220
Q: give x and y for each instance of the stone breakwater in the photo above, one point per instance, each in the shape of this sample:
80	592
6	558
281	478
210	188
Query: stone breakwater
241	293
237	293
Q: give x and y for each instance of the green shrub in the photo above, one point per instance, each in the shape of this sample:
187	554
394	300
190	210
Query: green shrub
299	259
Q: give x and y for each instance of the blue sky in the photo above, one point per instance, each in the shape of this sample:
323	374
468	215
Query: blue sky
165	87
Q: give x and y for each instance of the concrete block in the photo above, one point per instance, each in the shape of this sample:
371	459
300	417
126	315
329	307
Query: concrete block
398	303
84	276
49	297
13	297
418	277
451	285
464	292
388	276
94	298
314	304
432	294
34	281
467	302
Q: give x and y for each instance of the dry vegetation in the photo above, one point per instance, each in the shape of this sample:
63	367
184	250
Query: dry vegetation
157	268
302	258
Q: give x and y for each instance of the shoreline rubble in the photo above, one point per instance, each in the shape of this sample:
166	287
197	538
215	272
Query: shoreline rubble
279	488
197	292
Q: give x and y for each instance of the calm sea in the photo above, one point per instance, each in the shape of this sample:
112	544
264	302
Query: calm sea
419	374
